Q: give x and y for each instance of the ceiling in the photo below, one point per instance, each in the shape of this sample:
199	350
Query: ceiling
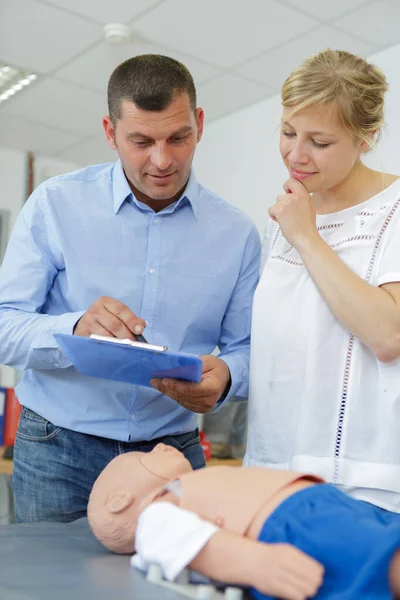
239	53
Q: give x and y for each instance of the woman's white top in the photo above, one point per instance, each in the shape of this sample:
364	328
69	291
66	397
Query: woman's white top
320	402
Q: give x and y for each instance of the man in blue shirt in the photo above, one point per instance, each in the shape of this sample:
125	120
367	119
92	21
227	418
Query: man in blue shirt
115	249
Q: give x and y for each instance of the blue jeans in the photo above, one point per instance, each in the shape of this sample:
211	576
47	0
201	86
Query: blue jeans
55	468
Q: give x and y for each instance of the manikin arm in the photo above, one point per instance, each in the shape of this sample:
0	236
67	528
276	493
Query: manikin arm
175	538
277	570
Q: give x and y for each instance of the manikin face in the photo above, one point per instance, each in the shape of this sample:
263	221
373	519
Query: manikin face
165	463
156	148
317	150
118	494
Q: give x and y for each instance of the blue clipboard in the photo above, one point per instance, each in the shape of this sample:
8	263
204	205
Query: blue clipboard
129	363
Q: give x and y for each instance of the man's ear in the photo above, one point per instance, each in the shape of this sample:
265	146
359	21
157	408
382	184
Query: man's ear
119	501
109	130
200	122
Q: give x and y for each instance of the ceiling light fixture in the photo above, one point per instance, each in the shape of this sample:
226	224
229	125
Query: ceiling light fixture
117	33
13	79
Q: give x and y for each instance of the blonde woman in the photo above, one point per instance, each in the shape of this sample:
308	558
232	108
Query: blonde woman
325	368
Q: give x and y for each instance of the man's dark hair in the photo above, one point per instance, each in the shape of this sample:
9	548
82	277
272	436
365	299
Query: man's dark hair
151	81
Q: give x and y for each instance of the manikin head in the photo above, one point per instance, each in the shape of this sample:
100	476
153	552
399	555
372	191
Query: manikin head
115	502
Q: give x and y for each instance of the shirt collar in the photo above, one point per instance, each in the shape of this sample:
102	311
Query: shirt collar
121	188
190	195
122	191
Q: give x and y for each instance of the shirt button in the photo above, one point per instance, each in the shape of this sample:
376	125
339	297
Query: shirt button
132	417
151	270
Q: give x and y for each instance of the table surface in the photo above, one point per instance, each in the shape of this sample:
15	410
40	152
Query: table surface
63	561
57	561
6	465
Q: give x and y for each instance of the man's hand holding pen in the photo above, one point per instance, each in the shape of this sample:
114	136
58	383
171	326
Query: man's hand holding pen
110	317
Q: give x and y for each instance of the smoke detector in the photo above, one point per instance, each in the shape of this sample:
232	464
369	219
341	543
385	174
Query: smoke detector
117	33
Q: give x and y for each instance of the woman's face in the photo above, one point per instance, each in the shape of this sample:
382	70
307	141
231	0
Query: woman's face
317	150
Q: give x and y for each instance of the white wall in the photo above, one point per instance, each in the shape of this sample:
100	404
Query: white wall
238	156
386	156
13	181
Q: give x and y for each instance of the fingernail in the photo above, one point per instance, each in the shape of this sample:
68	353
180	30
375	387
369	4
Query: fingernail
137	329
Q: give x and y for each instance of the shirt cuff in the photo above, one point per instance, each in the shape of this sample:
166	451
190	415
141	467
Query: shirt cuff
46	341
239	379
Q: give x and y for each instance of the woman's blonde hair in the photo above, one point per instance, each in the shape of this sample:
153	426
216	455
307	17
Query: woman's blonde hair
354	88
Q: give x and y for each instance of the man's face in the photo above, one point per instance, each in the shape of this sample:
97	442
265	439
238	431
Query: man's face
156	148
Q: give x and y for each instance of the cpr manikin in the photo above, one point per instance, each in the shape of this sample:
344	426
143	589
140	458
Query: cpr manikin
282	534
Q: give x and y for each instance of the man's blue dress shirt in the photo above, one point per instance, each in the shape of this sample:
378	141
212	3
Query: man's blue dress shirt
189	270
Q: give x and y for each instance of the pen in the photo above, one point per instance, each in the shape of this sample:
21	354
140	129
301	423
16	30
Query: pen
137	343
140	338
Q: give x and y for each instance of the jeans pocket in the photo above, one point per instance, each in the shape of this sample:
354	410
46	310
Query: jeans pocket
183	440
35	428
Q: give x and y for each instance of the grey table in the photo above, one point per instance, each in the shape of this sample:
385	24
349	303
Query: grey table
54	561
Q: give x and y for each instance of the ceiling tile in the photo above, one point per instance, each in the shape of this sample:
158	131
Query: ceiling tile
326	10
377	23
228	93
59	104
117	11
223	33
94	68
274	66
39	37
22	134
90	152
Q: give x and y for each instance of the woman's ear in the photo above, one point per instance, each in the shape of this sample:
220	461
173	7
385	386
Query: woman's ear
368	143
119	501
